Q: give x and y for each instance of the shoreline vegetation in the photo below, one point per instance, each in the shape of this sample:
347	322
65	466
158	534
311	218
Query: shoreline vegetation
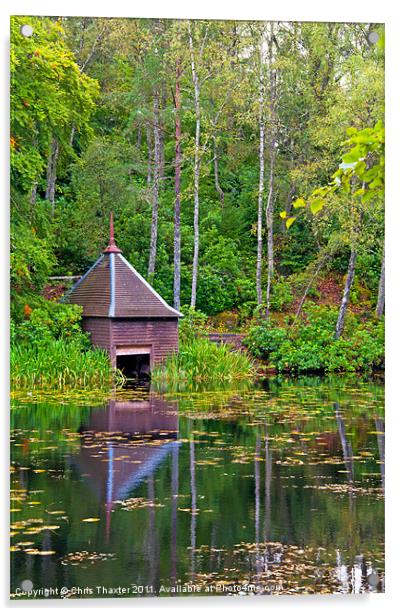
41	360
244	165
61	364
203	362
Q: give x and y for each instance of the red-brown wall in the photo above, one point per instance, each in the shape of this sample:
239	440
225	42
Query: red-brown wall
160	334
100	331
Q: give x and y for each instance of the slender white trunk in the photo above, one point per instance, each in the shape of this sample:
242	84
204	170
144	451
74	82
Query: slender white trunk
346	292
195	80
51	175
272	161
155	191
262	129
381	291
177	204
219	190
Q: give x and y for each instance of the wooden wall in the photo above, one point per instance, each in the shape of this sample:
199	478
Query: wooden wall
160	334
100	330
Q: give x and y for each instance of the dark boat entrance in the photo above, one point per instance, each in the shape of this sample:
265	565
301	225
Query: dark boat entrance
134	363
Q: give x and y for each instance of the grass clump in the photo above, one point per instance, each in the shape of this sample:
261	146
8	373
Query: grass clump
202	362
49	350
60	363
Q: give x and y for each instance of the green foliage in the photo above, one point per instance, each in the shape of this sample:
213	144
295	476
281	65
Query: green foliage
203	362
90	84
31	260
52	321
192	325
311	347
49	94
281	294
50	350
360	174
59	364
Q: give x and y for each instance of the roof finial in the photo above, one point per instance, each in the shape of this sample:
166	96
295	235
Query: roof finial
112	245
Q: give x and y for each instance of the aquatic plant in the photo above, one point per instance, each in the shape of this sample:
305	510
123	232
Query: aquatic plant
201	361
60	364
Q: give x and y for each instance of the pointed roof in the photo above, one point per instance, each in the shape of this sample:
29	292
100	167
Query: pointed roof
113	288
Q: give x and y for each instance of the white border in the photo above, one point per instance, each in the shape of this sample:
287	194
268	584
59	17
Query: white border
311	10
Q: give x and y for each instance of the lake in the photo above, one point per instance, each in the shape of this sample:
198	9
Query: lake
274	489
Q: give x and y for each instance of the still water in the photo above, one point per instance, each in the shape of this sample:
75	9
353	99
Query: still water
274	490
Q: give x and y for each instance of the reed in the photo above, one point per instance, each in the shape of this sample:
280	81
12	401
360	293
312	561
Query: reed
60	364
202	362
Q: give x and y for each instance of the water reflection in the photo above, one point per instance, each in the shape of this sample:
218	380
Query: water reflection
136	437
278	487
345	444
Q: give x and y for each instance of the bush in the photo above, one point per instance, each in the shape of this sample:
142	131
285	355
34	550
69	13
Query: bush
311	346
192	325
51	321
281	294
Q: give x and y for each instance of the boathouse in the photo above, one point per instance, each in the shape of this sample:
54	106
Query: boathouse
123	313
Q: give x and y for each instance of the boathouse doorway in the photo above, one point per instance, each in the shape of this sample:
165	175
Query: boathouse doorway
134	361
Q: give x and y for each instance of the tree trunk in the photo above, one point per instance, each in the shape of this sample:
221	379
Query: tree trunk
51	175
269	225
196	169
347	289
307	288
161	134
155	189
72	135
32	196
262	100
177	184
219	190
149	145
381	292
139	137
272	159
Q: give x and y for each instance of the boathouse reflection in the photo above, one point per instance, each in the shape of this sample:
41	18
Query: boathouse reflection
123	445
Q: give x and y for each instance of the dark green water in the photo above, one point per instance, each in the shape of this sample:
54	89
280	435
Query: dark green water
273	490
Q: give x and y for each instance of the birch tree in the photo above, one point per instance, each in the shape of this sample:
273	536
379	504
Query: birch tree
347	289
177	186
155	187
195	80
261	190
381	291
272	162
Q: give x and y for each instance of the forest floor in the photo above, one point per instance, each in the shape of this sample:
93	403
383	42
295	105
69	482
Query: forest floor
328	292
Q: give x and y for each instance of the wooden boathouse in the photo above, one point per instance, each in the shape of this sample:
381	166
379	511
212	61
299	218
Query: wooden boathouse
123	313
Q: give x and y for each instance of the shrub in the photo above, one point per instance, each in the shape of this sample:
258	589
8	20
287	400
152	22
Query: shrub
192	325
50	350
51	321
311	346
281	294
